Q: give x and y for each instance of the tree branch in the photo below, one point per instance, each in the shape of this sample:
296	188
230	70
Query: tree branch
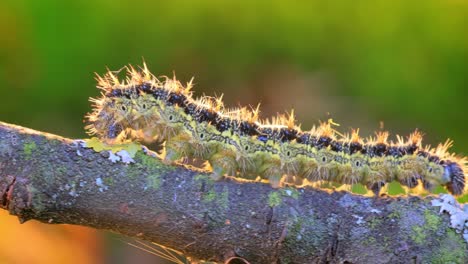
57	180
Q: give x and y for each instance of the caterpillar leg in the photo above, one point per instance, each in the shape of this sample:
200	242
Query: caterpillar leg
375	187
269	167
294	180
274	175
275	180
407	178
298	180
113	135
289	179
177	148
222	165
150	134
171	156
428	185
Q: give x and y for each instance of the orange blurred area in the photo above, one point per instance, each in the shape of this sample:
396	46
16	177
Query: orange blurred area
34	242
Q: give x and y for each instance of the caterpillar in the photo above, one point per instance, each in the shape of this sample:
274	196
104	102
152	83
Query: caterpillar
236	142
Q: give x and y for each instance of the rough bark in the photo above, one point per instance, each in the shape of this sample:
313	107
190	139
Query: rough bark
56	180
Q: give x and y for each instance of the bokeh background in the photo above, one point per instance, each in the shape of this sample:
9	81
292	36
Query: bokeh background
397	64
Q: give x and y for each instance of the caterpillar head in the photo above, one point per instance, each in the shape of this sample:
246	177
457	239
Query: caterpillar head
454	177
123	110
111	118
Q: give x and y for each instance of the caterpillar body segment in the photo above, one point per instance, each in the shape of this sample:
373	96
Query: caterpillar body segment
258	157
236	143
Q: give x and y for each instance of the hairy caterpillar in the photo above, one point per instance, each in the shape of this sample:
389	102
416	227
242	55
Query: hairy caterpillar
236	142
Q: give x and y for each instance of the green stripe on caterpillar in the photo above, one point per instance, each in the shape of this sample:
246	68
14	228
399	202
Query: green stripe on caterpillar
235	142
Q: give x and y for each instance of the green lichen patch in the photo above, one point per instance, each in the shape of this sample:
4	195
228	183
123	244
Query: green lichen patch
223	200
132	173
274	199
304	235
452	249
370	241
374	223
432	220
394	215
28	148
151	164
431	224
209	196
418	235
154	181
202	179
397	211
290	192
148	166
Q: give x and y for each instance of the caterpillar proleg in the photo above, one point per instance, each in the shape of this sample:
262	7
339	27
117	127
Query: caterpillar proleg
235	142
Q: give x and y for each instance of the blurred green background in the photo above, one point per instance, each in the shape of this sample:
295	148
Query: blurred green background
403	64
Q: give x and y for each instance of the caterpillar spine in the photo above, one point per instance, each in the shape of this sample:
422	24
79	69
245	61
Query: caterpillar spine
236	142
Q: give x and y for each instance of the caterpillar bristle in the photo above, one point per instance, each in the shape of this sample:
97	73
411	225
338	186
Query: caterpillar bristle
326	130
415	138
239	142
381	137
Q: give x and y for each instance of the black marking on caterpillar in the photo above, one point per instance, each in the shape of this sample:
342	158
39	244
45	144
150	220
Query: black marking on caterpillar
235	142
